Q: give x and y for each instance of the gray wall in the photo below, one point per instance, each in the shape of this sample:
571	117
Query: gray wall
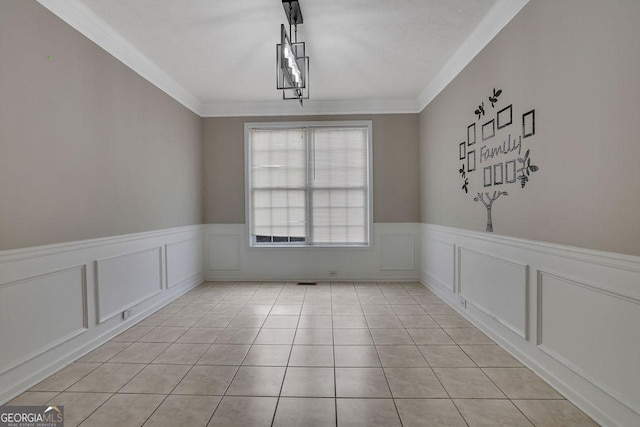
395	166
577	63
88	148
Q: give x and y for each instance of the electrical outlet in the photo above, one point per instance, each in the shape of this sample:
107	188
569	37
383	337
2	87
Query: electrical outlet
125	314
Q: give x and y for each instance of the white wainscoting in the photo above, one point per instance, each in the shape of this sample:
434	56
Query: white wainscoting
439	264
184	260
569	314
58	302
496	286
393	255
124	281
58	297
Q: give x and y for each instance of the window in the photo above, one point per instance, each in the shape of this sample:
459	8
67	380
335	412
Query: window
308	184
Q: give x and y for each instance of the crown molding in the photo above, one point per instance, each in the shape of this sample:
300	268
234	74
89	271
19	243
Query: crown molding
311	107
493	22
84	20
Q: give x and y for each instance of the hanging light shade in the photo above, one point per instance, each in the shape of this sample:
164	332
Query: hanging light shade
292	63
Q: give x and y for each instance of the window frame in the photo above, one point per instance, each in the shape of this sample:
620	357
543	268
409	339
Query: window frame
248	126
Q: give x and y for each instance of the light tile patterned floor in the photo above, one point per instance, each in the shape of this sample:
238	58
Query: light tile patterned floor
276	354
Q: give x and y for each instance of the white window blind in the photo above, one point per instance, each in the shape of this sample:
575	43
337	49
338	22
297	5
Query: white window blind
278	183
309	185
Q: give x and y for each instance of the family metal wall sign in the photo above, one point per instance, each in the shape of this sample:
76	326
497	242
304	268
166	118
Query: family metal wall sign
494	153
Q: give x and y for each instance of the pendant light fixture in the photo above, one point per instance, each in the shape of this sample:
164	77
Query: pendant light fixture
292	64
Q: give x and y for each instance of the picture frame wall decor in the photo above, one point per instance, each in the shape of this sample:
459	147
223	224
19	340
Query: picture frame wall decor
462	149
489	130
471	161
498	173
488	170
505	116
510	171
471	134
529	124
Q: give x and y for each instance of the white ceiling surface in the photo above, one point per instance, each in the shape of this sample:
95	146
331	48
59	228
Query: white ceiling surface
223	52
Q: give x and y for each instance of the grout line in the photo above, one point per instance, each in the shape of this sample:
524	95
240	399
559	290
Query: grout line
333	342
381	364
99	406
237	370
432	371
275	411
459	412
520	410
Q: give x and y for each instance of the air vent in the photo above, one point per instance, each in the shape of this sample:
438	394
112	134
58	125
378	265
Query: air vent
307	283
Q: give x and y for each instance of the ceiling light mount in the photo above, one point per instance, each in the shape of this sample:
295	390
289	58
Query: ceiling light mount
292	64
293	12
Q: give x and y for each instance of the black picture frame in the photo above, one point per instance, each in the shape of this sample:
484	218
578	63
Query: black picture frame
471	134
510	171
529	124
471	161
462	150
498	173
489	130
505	116
488	171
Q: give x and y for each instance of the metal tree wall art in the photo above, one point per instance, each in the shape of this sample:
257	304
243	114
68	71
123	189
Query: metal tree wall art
491	155
488	204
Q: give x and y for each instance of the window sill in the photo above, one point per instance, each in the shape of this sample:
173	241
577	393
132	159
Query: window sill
296	247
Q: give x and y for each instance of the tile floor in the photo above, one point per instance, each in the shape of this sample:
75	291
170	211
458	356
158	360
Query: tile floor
276	354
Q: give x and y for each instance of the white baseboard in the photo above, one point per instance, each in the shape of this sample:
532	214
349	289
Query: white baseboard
569	314
393	255
64	300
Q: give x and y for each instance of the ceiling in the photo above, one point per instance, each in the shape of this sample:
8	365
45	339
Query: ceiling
220	55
